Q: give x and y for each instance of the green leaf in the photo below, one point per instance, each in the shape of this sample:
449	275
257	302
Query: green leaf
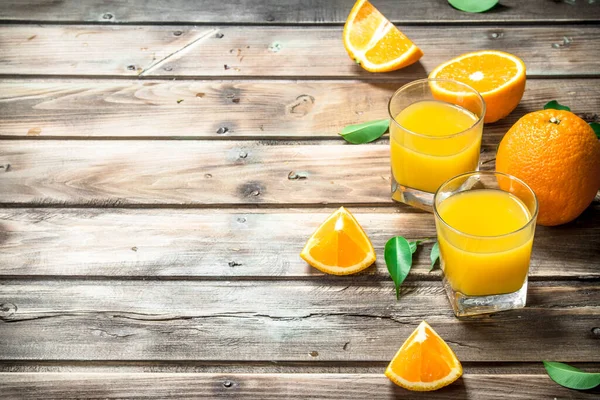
366	132
596	127
555	105
434	255
473	6
413	246
571	377
398	258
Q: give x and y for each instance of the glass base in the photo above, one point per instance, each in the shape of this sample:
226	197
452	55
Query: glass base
464	305
413	197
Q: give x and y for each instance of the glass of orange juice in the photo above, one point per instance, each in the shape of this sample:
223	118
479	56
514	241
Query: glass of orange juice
435	134
485	223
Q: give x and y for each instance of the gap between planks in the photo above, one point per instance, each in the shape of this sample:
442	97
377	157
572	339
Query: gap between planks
380	78
234	367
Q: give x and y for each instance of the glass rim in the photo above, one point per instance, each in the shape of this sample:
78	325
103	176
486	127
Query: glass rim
532	219
424	80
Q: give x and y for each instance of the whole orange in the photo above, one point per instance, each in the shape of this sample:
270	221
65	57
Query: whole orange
558	155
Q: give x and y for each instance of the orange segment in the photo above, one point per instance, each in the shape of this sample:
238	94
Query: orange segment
374	42
339	246
366	21
424	362
498	76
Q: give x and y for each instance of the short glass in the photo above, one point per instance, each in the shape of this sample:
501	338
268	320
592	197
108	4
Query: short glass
451	113
486	268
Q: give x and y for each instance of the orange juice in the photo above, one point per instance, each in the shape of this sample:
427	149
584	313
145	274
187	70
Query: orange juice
433	141
487	252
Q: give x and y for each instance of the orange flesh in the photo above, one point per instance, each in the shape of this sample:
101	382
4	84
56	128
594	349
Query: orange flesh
342	245
425	361
366	22
393	45
499	70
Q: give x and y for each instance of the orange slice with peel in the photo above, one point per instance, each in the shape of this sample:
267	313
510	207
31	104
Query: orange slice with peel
498	76
339	246
424	362
375	43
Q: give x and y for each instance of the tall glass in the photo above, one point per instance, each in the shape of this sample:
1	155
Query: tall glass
435	134
485	224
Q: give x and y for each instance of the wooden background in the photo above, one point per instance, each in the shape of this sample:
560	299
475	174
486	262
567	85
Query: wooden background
150	222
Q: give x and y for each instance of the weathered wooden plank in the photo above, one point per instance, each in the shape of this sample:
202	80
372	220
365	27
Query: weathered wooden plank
116	173
219	244
271	386
288	11
234	51
89	50
249	109
281	321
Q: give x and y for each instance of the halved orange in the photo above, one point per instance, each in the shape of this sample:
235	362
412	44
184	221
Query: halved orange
498	76
375	43
339	246
424	362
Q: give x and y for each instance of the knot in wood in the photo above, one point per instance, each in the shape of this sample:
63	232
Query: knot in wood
227	384
107	16
222	130
252	189
314	353
177	33
7	309
302	105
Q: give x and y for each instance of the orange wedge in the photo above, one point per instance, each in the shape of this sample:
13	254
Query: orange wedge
424	362
374	42
498	76
339	246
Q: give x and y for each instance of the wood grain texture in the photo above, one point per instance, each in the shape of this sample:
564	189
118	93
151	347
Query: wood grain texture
78	108
234	51
221	244
89	50
272	386
194	173
288	11
282	321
